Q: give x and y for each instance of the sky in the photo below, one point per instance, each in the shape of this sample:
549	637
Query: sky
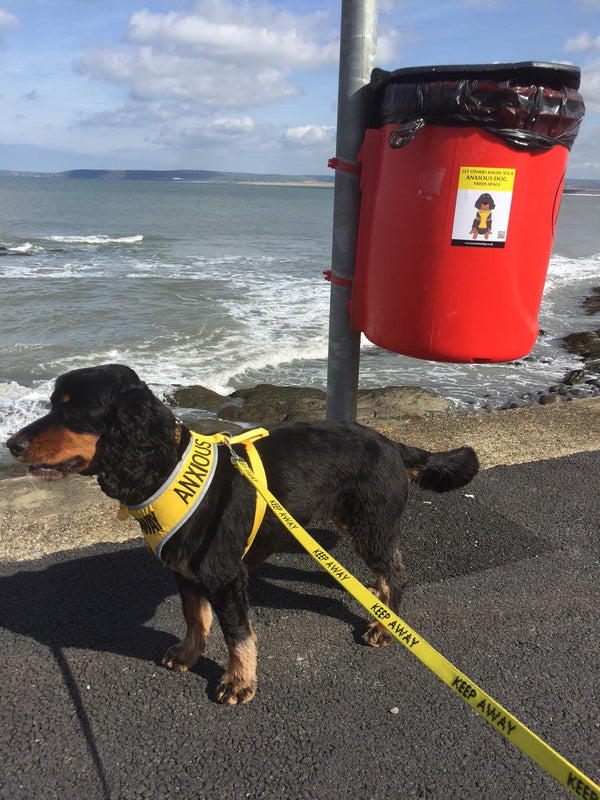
244	85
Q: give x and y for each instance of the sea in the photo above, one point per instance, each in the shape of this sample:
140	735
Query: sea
222	285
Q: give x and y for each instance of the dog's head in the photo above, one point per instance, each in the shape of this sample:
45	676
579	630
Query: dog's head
485	201
93	410
65	440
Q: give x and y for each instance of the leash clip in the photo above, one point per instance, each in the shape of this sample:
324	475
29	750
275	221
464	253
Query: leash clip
235	457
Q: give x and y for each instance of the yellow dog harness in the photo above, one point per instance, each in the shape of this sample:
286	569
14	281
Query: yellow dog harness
165	512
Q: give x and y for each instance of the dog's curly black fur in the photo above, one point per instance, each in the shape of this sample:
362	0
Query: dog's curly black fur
105	421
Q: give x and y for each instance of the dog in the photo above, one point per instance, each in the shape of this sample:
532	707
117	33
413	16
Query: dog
105	421
482	224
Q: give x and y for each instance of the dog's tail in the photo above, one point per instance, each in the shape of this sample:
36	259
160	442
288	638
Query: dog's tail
440	472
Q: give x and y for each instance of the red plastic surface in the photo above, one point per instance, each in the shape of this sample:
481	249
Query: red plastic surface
418	294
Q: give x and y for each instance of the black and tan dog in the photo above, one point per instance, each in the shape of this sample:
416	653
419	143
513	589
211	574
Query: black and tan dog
105	421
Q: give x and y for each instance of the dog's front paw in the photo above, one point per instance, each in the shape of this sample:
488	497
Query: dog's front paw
232	690
178	658
376	636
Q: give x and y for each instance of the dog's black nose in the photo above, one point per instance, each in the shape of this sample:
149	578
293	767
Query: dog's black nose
17	444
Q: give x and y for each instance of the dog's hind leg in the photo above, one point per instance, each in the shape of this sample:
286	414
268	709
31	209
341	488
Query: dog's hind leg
389	585
198	617
375	533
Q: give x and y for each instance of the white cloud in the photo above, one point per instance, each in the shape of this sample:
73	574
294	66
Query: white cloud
584	159
8	20
158	76
390	47
225	135
230	33
590	87
133	114
310	135
225	128
222	55
191	78
222	137
231	125
582	43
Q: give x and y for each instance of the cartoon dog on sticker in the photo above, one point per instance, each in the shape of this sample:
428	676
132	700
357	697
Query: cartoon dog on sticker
482	224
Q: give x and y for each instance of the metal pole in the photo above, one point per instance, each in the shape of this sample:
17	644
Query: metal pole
358	44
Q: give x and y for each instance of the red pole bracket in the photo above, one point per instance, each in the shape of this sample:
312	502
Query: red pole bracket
344	166
337	279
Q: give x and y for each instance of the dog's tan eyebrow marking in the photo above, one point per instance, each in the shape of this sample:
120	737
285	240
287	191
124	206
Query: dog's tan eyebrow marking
66	398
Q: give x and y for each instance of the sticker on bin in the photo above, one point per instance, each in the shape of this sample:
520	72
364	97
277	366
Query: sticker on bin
483	201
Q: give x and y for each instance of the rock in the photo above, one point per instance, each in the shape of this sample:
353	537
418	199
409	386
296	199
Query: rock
394	404
591	304
547	399
512	404
197	397
574	377
593	366
207	427
528	397
267	403
585	344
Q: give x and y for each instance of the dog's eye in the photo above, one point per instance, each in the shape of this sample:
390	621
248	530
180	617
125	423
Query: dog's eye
65	399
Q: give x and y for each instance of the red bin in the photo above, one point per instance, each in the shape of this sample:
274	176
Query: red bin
462	176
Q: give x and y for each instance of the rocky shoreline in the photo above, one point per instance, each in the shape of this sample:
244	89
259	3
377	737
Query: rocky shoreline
393	410
383	407
206	411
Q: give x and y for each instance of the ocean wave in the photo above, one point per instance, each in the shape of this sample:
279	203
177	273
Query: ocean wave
568	282
20	405
565	268
26	247
97	239
256	320
22	249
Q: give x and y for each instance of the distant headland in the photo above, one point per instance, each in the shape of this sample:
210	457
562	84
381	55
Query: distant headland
572	185
178	176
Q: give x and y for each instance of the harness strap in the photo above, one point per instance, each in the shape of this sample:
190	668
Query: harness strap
164	513
248	439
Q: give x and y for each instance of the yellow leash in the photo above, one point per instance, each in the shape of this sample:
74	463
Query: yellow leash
491	711
248	438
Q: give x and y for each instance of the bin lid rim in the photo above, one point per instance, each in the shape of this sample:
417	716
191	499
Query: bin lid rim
543	71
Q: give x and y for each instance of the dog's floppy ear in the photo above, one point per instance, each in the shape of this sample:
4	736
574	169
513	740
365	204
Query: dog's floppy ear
138	448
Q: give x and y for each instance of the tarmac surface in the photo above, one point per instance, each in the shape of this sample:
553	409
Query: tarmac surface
505	582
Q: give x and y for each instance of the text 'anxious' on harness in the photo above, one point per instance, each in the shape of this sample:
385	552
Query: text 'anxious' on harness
163	514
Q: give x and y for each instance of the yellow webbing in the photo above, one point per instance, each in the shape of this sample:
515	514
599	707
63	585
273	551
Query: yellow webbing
248	439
